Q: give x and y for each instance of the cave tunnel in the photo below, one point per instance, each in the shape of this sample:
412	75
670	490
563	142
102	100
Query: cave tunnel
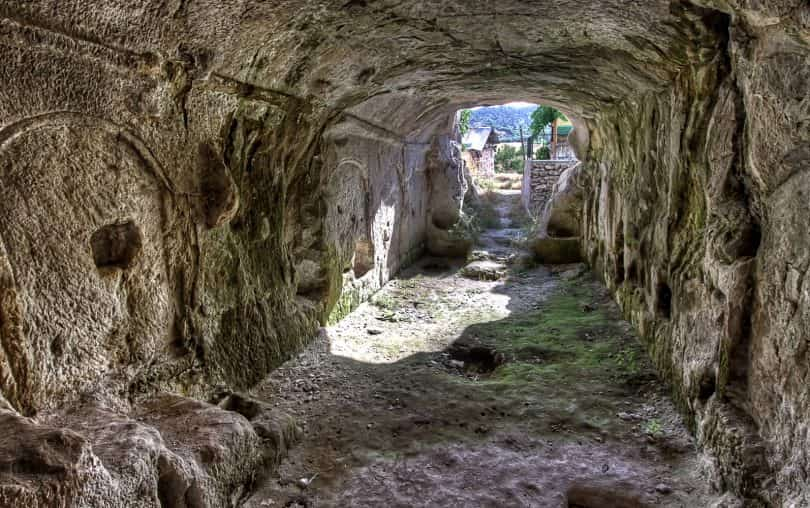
208	209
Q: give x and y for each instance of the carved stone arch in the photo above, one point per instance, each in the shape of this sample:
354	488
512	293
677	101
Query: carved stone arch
349	184
84	278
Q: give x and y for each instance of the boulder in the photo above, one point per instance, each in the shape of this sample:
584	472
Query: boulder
45	466
563	212
172	452
221	446
451	243
484	270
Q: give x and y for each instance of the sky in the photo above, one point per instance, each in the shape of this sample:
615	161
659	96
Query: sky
511	105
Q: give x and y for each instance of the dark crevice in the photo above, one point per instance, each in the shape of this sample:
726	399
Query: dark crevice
620	273
707	385
116	245
663	300
599	496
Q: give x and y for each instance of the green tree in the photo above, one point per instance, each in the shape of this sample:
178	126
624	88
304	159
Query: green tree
542	153
543	116
509	159
464	121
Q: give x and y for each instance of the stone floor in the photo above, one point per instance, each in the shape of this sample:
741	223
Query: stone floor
445	390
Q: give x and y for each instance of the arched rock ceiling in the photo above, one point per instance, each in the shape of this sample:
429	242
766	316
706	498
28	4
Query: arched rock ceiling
583	54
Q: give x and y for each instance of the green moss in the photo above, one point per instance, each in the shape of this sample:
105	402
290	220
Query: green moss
561	340
347	302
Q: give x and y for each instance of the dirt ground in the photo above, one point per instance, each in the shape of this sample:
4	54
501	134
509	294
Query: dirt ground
450	390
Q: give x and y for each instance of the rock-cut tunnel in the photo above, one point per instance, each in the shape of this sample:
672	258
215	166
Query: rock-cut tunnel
191	189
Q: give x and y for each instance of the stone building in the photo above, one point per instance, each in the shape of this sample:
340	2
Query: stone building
479	144
557	142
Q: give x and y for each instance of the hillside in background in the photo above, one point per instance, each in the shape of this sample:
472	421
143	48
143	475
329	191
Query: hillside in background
506	119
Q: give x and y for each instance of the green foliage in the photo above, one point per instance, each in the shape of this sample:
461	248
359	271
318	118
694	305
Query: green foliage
464	121
542	153
629	361
543	116
654	428
467	227
509	159
384	301
486	184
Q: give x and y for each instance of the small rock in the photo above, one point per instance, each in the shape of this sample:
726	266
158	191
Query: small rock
306	482
457	364
663	488
374	331
484	270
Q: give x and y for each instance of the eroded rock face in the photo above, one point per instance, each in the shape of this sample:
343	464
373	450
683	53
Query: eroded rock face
187	197
169	452
705	252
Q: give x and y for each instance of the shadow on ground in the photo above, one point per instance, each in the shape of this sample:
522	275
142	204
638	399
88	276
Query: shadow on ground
529	391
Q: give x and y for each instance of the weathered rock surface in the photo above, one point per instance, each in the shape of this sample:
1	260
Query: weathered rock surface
562	214
171	452
556	251
184	198
697	224
43	466
484	270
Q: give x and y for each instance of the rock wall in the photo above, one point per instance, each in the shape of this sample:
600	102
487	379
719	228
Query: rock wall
166	237
187	187
695	217
542	176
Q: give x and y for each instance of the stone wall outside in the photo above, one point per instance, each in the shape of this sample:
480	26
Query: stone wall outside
538	182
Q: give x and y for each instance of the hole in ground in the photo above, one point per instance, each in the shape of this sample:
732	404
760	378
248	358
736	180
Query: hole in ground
617	496
480	359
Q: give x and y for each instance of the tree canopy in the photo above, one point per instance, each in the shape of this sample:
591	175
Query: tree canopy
509	159
543	116
464	121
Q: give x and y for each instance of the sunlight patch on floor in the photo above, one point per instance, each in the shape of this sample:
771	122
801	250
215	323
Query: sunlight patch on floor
384	334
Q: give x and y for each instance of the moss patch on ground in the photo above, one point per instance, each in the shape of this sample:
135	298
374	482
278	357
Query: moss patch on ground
572	356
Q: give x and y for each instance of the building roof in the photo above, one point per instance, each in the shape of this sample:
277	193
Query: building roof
476	138
564	130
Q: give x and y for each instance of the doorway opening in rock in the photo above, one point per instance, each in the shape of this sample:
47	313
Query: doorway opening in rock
498	139
363	260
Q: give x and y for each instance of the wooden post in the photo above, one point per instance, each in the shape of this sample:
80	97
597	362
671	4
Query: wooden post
529	147
553	149
521	142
